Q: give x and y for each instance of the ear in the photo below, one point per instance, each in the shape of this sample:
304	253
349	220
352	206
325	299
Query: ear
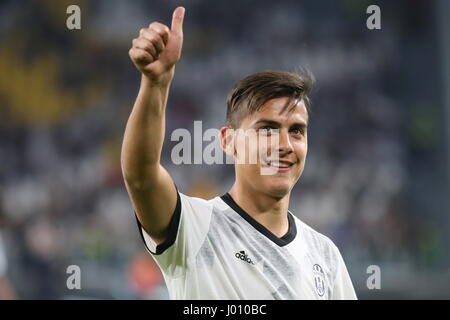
227	140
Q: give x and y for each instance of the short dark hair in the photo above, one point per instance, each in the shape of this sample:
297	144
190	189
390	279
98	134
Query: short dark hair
249	94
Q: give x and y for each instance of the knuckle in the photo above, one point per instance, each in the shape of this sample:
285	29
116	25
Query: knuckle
150	35
154	23
151	50
161	29
157	29
147	45
140	56
155	41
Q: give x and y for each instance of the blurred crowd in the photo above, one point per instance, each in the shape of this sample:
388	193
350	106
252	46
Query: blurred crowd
65	97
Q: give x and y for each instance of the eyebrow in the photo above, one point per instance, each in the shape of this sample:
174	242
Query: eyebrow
278	125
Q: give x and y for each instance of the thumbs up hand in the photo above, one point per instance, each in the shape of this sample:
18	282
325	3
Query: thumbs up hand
158	48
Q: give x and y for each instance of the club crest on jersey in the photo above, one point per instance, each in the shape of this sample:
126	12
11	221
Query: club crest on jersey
319	279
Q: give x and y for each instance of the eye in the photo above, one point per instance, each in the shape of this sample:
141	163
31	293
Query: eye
266	129
298	131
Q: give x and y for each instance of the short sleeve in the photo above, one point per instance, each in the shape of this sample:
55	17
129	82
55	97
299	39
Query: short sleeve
187	231
343	287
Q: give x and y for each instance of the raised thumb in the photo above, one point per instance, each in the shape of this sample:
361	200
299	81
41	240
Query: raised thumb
177	20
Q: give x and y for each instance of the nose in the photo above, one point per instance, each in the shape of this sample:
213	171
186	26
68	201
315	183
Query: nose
284	142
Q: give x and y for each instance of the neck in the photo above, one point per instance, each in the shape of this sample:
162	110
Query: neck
267	210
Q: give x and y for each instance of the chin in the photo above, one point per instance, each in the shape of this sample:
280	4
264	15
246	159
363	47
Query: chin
279	190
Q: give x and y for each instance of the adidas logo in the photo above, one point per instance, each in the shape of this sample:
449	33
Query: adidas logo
242	256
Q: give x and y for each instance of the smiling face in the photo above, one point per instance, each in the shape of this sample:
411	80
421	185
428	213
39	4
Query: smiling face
276	137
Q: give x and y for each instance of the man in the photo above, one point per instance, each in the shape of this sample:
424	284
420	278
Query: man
245	244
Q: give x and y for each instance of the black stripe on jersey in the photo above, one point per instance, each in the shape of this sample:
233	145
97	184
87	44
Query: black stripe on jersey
172	230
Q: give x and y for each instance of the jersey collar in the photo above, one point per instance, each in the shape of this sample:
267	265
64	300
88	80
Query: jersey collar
284	240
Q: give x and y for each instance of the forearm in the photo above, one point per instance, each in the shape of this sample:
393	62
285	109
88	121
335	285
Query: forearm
144	133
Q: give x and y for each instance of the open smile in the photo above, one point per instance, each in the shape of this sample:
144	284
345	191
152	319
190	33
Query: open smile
280	165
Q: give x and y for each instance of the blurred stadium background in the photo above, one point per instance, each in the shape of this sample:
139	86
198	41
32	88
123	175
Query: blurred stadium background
377	178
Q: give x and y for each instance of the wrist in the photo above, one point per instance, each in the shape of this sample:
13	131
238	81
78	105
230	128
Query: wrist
160	81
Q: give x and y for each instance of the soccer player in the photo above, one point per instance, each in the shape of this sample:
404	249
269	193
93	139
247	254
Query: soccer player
245	244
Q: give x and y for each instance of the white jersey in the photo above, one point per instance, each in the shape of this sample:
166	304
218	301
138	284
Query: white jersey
215	250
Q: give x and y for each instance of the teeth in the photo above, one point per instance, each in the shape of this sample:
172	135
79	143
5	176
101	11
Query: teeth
279	164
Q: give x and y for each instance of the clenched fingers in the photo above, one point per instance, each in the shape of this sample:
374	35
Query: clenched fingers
140	56
161	29
154	37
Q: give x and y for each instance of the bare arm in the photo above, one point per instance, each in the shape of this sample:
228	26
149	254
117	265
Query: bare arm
151	189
